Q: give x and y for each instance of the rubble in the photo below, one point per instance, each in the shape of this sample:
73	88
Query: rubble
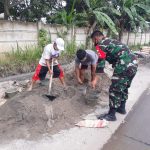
145	49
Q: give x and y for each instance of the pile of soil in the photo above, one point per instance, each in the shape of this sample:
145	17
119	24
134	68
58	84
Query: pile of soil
29	115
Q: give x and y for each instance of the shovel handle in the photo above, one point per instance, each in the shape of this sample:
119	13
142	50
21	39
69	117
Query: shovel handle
51	77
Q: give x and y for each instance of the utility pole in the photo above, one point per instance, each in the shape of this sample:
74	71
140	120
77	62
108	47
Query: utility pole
6	9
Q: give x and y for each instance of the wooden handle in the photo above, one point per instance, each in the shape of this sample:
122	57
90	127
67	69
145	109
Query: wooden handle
50	80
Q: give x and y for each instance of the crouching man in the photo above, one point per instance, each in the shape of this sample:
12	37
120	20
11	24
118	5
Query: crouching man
83	60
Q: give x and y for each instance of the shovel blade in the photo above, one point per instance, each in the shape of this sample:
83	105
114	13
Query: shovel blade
50	97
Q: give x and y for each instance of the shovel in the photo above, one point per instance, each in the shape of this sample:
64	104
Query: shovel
49	96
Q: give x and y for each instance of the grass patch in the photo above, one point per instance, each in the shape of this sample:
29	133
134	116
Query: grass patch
19	61
138	47
30	54
135	47
71	48
25	60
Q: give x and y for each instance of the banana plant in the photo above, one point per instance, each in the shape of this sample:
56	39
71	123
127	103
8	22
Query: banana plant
132	15
97	11
64	17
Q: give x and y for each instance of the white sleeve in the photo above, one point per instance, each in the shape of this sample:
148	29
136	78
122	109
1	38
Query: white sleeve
47	53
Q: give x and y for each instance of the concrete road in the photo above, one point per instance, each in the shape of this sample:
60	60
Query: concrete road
135	133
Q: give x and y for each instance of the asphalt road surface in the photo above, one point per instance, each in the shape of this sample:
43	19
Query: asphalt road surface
134	134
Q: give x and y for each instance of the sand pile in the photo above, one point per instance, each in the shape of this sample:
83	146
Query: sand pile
29	115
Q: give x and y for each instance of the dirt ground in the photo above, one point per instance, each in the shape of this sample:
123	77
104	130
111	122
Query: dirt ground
29	115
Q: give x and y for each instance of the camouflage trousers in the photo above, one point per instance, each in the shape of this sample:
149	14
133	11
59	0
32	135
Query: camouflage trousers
100	66
118	90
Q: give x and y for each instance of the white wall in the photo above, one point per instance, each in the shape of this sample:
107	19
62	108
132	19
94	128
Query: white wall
26	34
136	38
13	33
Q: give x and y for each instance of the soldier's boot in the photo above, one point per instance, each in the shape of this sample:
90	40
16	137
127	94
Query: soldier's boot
122	109
110	116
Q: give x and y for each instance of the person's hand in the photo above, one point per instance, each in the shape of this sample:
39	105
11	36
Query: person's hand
93	83
50	72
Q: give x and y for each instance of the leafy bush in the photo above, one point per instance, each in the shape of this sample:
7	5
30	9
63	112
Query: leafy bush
44	38
29	54
71	47
25	60
19	61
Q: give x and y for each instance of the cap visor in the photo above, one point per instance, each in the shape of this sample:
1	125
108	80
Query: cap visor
60	48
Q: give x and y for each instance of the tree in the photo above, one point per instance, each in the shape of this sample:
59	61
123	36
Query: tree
132	15
33	10
6	5
97	14
65	16
28	10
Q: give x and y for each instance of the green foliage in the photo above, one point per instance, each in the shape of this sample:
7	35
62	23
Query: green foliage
64	17
138	46
97	10
69	20
135	47
62	34
82	46
132	14
120	14
29	54
44	38
32	10
104	18
19	61
1	7
25	60
81	19
70	48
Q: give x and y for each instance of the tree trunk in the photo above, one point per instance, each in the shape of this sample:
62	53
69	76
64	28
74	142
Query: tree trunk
108	33
6	9
141	39
145	39
120	34
121	30
128	37
7	6
91	28
135	39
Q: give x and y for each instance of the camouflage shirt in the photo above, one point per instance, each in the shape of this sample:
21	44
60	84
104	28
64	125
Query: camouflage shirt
118	54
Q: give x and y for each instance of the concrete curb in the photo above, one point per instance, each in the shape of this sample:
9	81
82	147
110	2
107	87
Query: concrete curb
67	68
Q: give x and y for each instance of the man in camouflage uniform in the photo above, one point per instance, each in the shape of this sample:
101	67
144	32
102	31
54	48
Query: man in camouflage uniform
125	67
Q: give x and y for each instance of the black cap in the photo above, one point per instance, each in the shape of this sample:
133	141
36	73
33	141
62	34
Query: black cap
81	54
96	33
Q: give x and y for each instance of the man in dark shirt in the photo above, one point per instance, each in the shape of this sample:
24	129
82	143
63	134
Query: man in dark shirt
84	59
